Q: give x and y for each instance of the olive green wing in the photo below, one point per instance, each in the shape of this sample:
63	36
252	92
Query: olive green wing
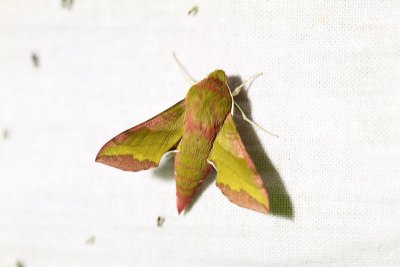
237	176
142	146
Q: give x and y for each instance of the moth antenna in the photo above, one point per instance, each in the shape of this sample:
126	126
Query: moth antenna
239	88
188	78
253	123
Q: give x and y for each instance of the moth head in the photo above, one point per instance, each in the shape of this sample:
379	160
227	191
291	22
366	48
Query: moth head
219	75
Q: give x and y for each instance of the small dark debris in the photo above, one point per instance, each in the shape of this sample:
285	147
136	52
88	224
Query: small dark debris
19	264
160	221
35	60
91	240
67	3
5	133
193	11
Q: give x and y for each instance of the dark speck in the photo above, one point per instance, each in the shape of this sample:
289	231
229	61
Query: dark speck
160	221
67	3
35	60
193	11
91	240
5	133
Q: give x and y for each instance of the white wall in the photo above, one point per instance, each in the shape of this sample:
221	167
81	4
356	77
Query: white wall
330	90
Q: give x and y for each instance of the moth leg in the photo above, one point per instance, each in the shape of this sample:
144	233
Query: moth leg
188	78
253	123
239	88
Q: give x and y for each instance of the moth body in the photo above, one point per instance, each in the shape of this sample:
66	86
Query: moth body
207	104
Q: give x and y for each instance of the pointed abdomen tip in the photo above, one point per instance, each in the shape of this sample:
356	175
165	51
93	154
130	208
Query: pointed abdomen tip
181	203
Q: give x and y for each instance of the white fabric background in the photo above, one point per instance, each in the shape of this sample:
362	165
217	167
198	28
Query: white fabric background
330	90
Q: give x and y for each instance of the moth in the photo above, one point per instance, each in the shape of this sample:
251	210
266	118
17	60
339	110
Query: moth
201	132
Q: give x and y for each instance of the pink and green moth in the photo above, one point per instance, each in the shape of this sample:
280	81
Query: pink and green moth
201	131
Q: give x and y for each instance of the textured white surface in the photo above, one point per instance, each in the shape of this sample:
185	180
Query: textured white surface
331	90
